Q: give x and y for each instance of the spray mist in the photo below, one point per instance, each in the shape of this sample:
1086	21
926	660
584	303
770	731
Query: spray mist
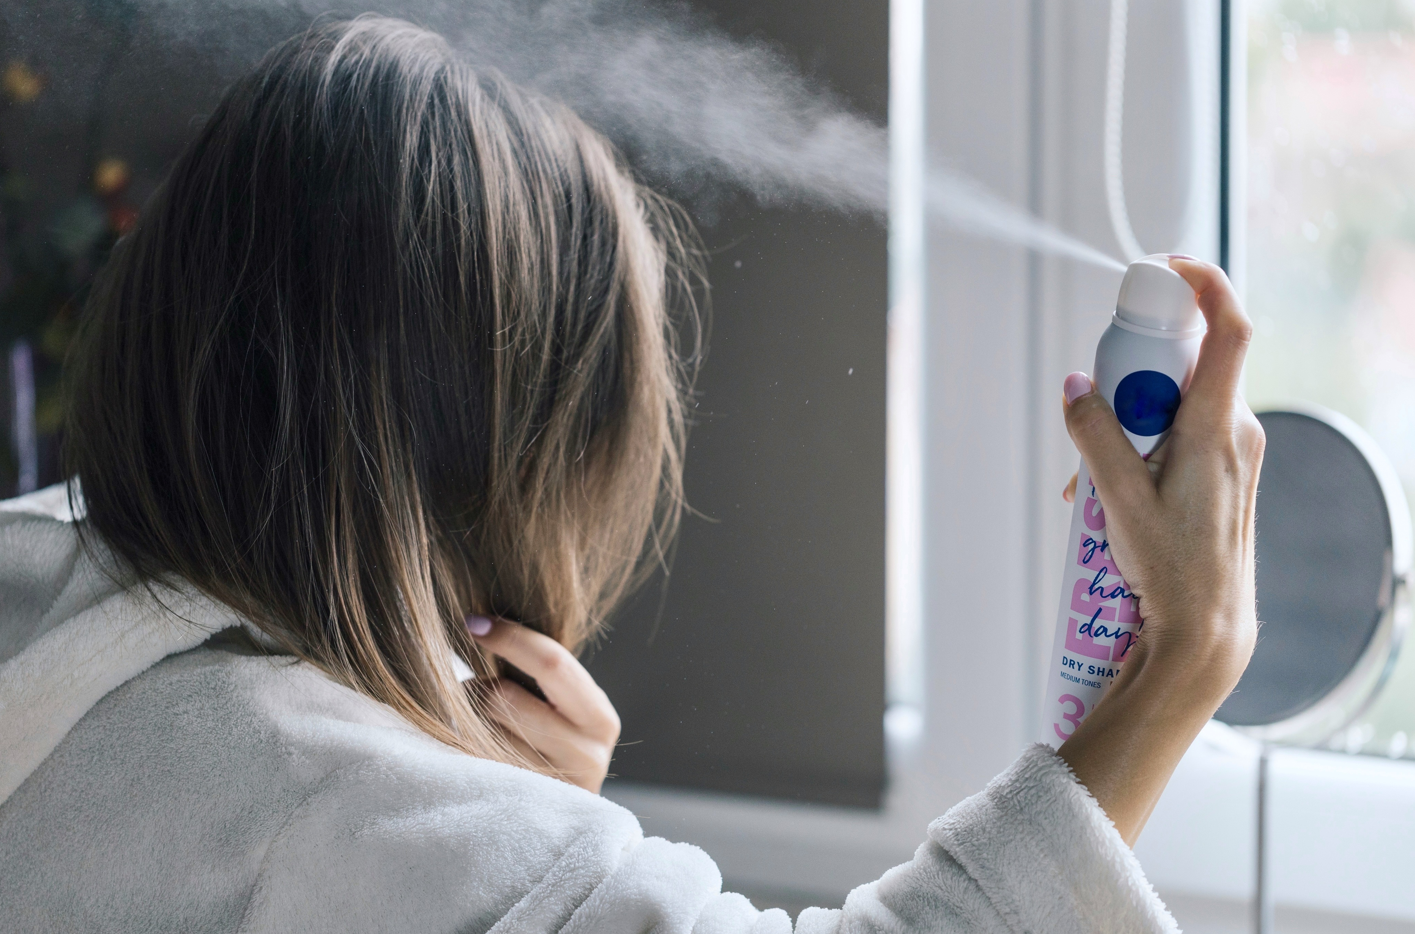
1143	364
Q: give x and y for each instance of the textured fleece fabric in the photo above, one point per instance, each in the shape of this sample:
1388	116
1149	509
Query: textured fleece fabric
160	773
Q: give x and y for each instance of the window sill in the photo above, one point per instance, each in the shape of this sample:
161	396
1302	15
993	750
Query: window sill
1343	833
1343	828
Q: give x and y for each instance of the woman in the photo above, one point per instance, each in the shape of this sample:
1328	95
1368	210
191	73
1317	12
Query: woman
379	410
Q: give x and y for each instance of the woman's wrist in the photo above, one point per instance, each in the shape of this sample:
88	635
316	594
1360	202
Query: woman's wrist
1201	656
1126	749
1129	745
1167	689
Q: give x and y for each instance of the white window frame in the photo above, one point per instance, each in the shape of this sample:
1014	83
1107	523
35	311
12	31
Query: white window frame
1011	92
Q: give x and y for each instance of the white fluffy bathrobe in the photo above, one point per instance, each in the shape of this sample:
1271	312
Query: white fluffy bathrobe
157	776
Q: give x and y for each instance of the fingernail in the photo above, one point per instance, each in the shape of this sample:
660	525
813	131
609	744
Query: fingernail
478	625
1078	384
1192	259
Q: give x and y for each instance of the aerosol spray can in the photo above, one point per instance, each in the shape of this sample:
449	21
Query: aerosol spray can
1143	364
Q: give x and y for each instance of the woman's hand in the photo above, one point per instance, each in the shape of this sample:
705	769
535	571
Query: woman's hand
575	728
1181	533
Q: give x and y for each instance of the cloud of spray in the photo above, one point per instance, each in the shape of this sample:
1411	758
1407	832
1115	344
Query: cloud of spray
963	204
692	107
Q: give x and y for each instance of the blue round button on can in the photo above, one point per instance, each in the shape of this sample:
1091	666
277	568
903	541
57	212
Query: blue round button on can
1145	402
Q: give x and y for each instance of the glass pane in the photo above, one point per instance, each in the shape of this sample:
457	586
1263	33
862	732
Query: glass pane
1331	241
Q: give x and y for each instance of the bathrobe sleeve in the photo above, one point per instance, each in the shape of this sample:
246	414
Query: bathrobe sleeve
1031	853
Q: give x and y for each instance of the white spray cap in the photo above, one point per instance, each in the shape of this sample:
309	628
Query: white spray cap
1156	298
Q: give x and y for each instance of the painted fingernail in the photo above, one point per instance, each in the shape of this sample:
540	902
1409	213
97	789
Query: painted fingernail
1192	259
1078	384
478	625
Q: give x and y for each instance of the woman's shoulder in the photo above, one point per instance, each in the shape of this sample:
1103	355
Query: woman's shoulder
306	730
263	775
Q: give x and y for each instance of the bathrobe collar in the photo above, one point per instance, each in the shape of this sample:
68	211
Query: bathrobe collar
94	636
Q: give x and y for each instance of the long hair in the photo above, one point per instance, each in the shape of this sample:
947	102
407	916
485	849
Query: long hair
395	342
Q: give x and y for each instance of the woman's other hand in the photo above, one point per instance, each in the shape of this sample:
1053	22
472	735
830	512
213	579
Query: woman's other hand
1181	532
575	728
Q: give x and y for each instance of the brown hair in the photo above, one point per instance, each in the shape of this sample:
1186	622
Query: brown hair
394	343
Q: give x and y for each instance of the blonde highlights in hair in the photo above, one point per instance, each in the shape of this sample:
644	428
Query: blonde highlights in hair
396	342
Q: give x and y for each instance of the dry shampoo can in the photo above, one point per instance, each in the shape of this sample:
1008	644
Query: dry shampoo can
1143	364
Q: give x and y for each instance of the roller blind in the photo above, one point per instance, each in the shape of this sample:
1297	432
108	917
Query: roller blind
757	667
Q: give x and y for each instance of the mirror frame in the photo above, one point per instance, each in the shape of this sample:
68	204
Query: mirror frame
1343	704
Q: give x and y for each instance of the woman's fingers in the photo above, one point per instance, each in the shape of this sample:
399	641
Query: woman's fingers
533	720
1115	467
1069	494
540	734
564	681
582	773
529	716
1220	367
575	728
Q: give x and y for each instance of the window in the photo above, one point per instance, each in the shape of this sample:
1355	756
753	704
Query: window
758	666
1330	269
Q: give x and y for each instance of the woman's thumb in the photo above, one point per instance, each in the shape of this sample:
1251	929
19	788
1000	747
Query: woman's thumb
1115	466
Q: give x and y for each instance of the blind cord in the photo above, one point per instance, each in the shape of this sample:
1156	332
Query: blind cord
1114	125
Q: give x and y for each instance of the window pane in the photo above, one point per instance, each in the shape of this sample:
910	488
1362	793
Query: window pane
1331	240
760	669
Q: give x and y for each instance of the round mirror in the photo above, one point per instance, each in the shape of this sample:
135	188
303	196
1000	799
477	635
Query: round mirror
1333	550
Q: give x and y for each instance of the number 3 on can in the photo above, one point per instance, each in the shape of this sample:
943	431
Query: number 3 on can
1073	718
